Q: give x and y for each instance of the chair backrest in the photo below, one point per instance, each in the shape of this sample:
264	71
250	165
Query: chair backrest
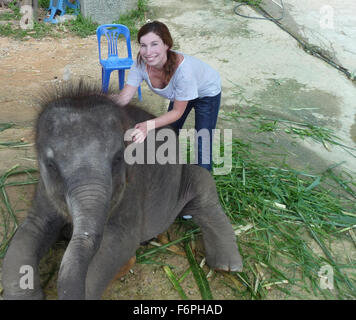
112	32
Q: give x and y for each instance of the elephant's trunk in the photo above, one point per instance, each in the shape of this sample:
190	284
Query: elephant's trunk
88	201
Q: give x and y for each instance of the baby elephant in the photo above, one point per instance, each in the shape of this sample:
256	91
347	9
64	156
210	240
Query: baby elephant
110	205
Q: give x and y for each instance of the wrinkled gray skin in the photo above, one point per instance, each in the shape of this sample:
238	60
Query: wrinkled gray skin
112	206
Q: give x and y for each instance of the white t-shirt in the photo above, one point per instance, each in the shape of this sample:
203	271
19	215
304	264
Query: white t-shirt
192	79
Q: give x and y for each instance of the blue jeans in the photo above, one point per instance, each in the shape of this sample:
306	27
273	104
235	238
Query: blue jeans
206	115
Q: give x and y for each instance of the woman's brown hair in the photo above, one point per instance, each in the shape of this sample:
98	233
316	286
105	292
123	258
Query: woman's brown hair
161	30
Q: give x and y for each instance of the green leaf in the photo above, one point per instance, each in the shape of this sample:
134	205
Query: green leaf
199	275
175	282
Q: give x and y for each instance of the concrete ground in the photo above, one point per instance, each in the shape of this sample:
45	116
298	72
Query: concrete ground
264	64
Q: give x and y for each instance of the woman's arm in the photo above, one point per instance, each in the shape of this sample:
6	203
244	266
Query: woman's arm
171	116
125	95
139	135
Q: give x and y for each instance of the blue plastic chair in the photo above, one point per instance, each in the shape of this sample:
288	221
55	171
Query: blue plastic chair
113	62
58	8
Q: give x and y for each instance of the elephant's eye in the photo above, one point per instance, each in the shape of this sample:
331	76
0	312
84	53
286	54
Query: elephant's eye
51	165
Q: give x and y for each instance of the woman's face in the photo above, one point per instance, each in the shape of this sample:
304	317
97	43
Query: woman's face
152	50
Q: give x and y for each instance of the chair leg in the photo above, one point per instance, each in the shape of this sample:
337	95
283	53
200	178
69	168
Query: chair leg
105	79
139	93
121	79
51	17
58	6
53	12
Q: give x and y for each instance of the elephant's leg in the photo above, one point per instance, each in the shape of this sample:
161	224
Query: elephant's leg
20	266
218	237
204	206
117	253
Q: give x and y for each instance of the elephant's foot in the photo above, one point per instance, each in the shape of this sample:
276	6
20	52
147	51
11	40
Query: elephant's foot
219	240
225	262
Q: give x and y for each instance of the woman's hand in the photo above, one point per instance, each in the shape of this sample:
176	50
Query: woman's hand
140	133
141	129
125	95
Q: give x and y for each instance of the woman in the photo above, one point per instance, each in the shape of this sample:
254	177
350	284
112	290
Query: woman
186	81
